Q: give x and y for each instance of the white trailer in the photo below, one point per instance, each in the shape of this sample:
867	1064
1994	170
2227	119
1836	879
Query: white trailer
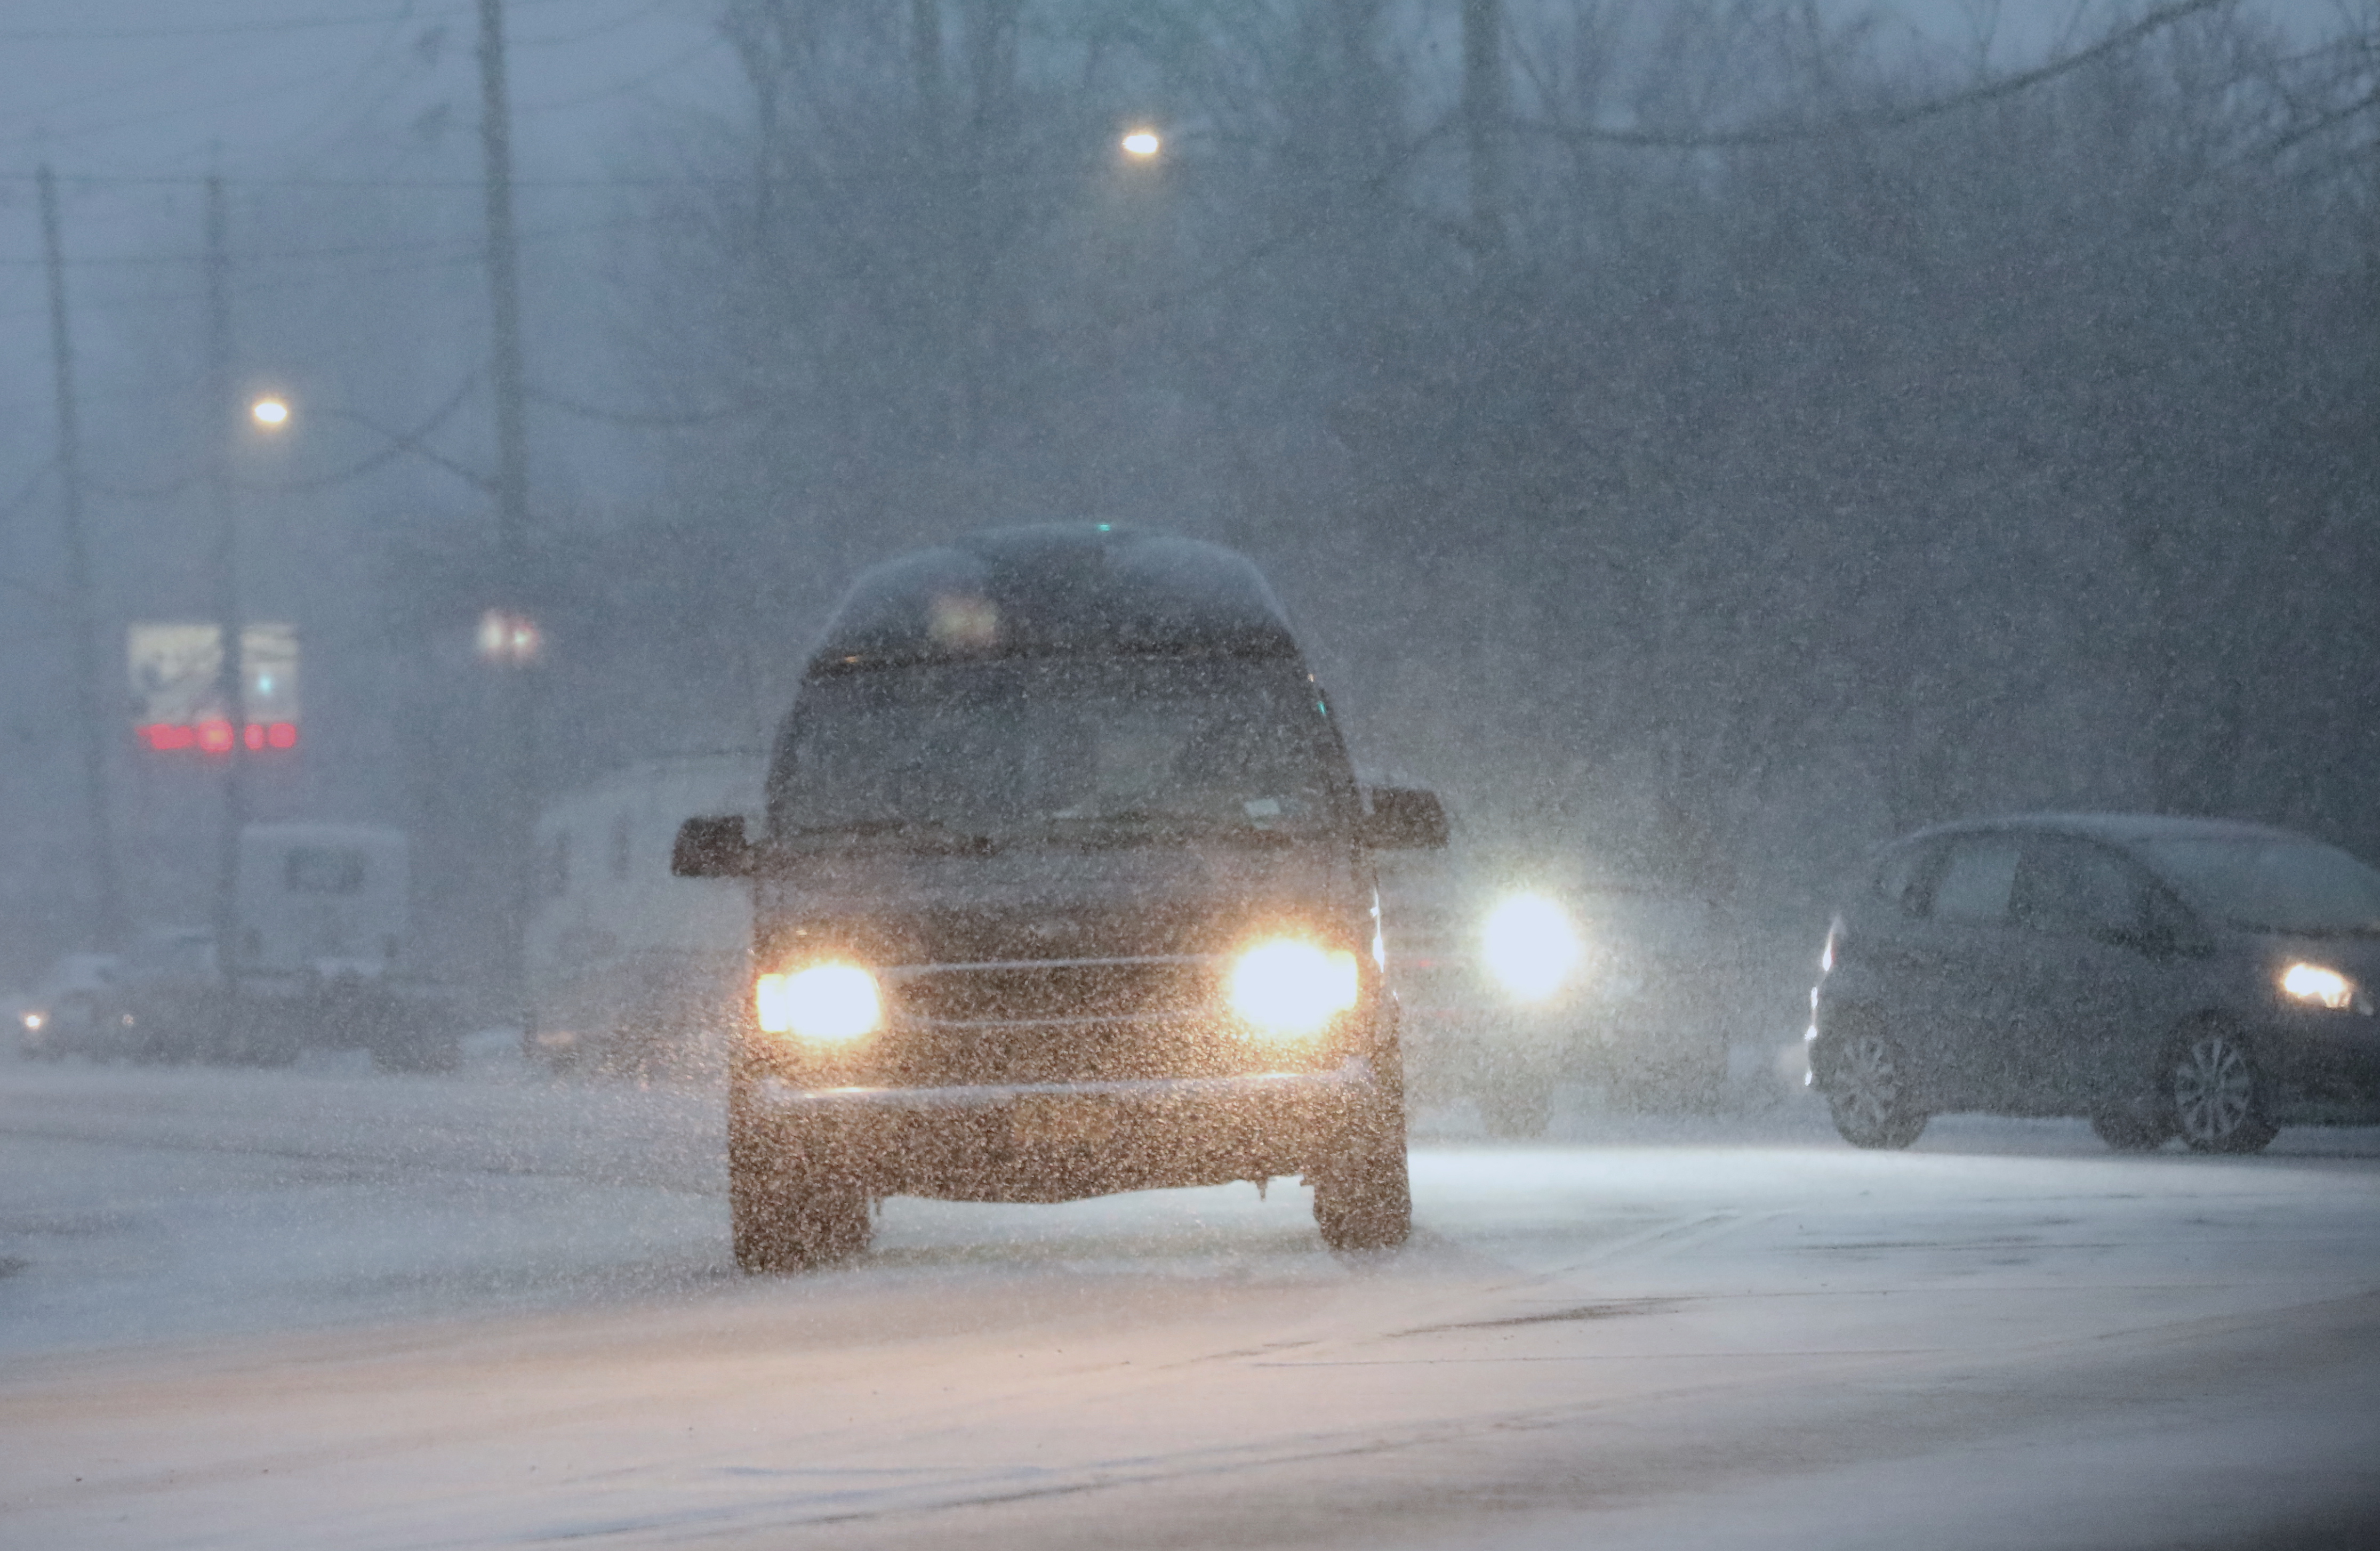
324	901
631	968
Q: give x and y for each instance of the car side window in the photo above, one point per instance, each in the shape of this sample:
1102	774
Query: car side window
2169	924
1977	880
1901	875
2077	889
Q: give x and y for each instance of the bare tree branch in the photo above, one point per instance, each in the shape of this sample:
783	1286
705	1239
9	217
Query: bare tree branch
1890	119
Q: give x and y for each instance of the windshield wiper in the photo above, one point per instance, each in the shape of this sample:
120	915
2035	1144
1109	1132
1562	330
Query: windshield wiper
930	835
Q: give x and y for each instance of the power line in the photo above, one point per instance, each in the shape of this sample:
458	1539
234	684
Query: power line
633	83
645	420
396	22
230	29
312	77
455	249
399	443
194	180
563	40
1890	119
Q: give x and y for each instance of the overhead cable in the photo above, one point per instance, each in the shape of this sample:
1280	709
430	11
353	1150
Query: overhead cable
1884	119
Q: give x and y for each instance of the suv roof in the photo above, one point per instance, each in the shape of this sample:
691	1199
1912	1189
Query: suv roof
1052	590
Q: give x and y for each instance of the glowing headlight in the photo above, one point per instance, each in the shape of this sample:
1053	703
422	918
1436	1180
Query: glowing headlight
1530	945
2325	987
833	1003
1292	987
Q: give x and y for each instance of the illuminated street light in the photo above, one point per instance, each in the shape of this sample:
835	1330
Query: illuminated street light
272	411
1142	144
508	638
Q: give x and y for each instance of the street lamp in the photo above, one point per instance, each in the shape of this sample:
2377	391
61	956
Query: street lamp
509	637
271	411
1142	144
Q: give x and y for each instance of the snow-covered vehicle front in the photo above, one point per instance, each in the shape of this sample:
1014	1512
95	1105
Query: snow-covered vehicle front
1066	887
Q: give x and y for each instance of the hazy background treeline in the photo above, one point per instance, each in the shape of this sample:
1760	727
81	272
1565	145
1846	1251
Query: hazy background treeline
1727	507
1703	436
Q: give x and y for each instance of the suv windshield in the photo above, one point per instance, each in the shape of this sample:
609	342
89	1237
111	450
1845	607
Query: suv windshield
1041	750
2276	886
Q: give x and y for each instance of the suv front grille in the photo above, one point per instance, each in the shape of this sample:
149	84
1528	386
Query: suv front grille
1070	1021
1055	990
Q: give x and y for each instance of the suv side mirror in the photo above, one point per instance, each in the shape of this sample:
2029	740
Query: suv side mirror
711	848
1405	819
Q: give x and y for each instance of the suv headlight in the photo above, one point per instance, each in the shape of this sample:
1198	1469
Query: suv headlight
1529	945
832	1003
2324	986
1291	988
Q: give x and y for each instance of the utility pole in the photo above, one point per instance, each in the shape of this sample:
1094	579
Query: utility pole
926	67
1483	120
83	608
231	686
516	697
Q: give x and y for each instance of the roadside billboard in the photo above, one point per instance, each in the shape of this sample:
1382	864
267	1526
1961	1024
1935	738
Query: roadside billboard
178	705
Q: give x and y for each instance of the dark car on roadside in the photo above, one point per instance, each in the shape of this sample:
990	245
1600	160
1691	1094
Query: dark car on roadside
2165	978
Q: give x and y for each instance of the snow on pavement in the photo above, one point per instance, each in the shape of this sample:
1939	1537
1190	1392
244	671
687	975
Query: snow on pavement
315	1307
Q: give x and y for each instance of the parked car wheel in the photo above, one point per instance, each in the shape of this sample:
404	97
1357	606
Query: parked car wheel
2218	1095
1868	1092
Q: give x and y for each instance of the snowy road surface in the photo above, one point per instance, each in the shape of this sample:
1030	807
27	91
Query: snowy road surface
318	1308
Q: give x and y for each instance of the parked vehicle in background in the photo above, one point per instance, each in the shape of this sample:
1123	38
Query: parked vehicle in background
1066	887
2164	977
630	967
1515	979
320	960
168	1003
61	1013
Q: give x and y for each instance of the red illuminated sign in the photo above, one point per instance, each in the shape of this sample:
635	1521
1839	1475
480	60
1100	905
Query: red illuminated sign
176	680
215	737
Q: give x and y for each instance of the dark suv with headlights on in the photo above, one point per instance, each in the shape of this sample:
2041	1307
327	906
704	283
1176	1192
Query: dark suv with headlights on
1066	887
2164	977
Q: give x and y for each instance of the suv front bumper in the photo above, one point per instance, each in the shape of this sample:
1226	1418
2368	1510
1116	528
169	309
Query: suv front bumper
1060	1141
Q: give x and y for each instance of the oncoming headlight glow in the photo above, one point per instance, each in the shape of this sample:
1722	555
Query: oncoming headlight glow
1291	988
1530	945
2325	987
832	1003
